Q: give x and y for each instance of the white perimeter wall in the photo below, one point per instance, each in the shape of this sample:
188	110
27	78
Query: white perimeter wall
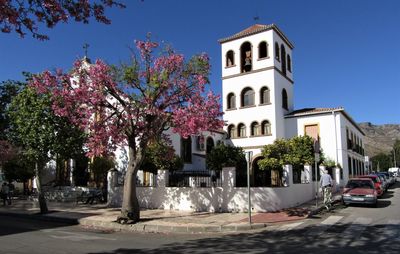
218	199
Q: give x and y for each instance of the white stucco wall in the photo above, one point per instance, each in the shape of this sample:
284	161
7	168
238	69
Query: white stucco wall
332	131
218	199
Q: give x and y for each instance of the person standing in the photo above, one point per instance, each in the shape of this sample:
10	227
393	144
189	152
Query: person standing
326	184
5	193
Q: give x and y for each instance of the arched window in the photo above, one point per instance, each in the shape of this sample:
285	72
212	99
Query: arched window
231	101
283	58
284	99
266	128
247	97
246	58
231	131
186	149
255	129
241	130
277	55
230	59
262	50
289	63
209	144
264	95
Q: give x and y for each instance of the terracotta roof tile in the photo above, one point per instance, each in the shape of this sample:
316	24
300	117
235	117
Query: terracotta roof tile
316	111
313	111
254	29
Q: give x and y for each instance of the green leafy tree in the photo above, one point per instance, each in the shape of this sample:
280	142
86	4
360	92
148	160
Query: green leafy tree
395	154
381	162
226	156
8	90
19	169
301	150
161	155
295	151
41	134
275	155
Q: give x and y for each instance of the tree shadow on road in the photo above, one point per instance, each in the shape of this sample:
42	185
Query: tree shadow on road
312	239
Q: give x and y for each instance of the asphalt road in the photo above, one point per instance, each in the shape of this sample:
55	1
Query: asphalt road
353	229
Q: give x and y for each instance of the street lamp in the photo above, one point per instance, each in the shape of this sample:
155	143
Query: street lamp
249	155
394	156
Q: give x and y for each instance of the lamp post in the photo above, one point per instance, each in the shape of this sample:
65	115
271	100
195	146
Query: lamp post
394	156
316	158
249	154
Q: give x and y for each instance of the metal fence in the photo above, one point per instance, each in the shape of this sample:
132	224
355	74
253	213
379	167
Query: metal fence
197	179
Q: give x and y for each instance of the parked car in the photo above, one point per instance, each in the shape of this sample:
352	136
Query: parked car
360	191
377	183
385	184
395	171
389	177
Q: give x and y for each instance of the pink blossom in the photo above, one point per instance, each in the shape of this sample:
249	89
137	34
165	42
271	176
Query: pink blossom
168	93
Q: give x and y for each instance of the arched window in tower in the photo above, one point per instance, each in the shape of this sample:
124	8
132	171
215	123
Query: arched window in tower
277	55
231	101
209	144
265	95
255	129
289	63
186	149
246	59
247	97
266	128
283	57
241	130
231	131
230	58
284	99
262	50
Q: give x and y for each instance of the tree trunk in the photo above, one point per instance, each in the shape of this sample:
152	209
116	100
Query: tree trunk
130	210
41	198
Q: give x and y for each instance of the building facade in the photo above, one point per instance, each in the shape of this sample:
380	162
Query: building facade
257	92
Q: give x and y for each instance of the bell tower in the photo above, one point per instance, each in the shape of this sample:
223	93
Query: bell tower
257	85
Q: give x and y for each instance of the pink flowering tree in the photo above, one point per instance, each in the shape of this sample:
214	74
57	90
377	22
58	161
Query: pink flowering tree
135	104
25	16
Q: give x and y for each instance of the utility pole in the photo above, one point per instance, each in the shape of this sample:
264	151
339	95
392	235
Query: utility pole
249	154
316	158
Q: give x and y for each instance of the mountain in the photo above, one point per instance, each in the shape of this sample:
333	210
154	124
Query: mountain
379	138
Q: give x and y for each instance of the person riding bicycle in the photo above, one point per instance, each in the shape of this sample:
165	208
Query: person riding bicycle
326	184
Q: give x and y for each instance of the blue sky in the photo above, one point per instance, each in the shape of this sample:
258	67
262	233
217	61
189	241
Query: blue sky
347	52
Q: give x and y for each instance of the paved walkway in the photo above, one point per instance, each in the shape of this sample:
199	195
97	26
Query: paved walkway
100	216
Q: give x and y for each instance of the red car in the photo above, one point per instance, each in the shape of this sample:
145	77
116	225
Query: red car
377	183
360	191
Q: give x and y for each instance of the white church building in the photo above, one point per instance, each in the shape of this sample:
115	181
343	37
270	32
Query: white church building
257	91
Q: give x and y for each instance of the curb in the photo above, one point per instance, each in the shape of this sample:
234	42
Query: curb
159	228
139	227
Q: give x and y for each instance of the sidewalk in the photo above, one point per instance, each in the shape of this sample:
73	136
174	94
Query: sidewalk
101	217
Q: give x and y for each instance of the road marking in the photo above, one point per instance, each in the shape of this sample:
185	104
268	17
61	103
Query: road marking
331	220
325	225
290	226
